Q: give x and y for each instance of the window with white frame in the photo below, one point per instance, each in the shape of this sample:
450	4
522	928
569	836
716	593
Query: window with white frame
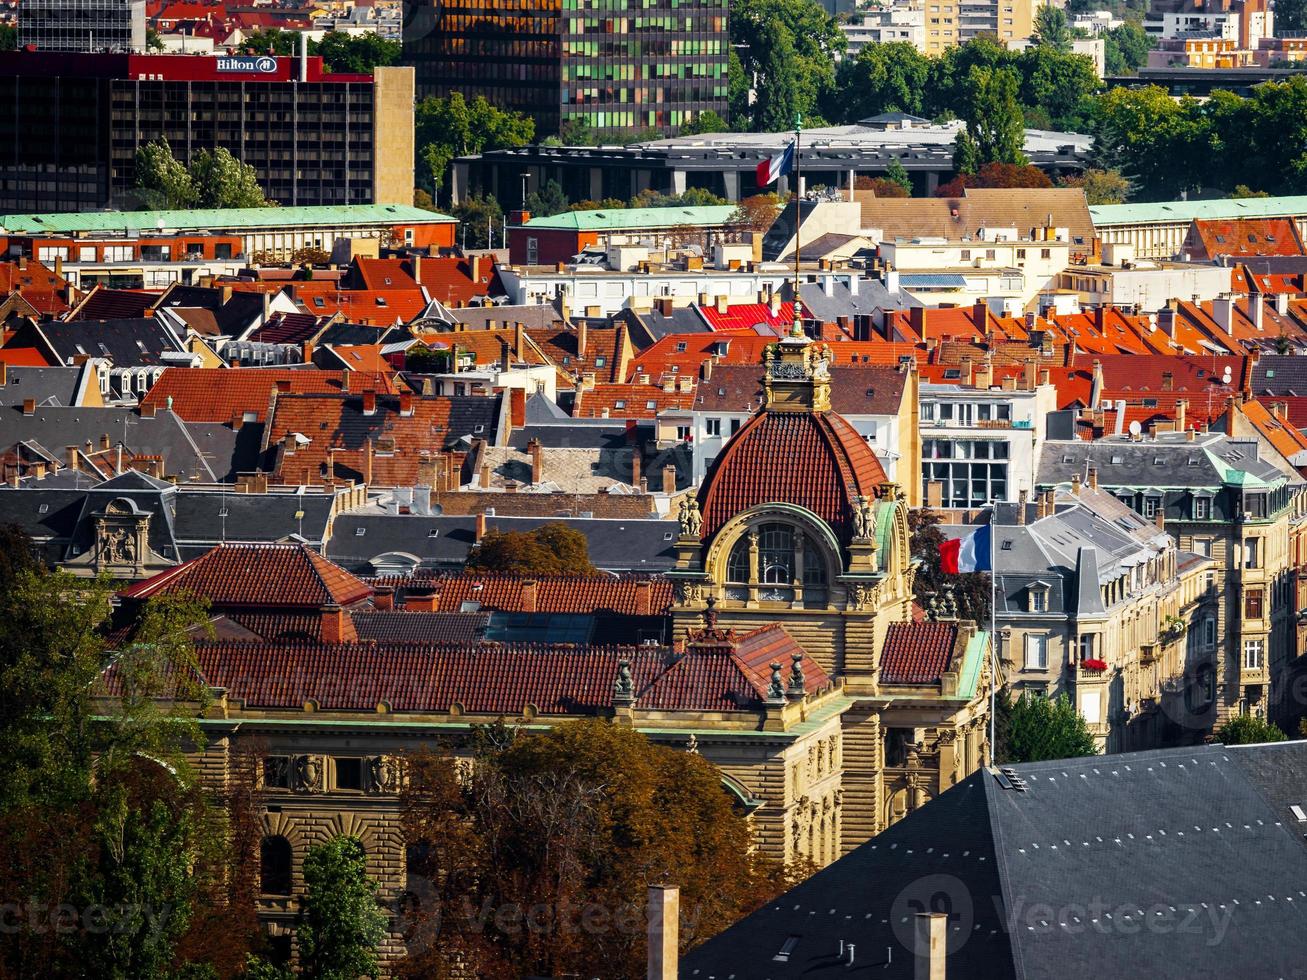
1254	654
1202	508
1037	598
1209	632
1036	651
713	427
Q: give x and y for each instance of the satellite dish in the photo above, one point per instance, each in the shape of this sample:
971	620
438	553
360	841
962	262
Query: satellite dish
1136	428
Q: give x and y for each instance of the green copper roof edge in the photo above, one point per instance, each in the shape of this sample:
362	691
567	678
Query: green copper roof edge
615	219
972	659
1218	210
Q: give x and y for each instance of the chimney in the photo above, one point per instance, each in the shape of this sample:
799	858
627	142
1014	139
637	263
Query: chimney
1045	376
530	595
367	462
1168	381
335	625
635	467
1093	476
421	603
980	316
917	320
1223	313
705	369
517	407
664	936
984	376
669	479
474	268
643	598
369	403
581	331
519	343
405	403
1031	375
485	477
29	406
931	945
537	460
383	598
665	305
1257	308
283	384
147	410
105	442
74	460
1181	409
480	526
1282	304
1022	497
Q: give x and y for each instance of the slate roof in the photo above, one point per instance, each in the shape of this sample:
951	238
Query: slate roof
103	303
288	328
1169	460
1279	374
1176	862
814	459
871	297
48	385
257	575
437	629
615	544
232	316
917	653
127	343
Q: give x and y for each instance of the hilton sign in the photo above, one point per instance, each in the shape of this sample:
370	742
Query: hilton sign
254	66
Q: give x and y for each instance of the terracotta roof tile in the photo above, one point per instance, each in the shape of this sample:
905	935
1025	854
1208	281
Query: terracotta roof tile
272	576
223	394
814	459
917	653
630	401
746	316
629	595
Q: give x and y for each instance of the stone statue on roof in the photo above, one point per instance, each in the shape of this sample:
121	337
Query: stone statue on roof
864	519
776	689
798	683
690	517
624	685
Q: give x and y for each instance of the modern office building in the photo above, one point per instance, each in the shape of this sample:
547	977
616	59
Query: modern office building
82	25
635	64
70	126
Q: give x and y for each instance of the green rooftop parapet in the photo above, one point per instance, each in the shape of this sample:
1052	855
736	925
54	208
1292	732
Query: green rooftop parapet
218	219
627	219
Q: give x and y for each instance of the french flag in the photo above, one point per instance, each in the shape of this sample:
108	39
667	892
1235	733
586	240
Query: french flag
775	166
974	553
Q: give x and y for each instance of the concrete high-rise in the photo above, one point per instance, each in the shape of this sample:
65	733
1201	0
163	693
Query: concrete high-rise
82	25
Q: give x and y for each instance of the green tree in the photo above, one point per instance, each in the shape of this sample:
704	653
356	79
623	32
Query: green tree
8	37
692	197
447	128
153	40
162	182
1057	84
705	122
1249	730
356	54
575	131
547	199
273	40
1290	16
1100	186
1035	729
99	807
478	218
1052	29
222	181
550	550
584	815
1155	141
882	78
791	48
1243	191
1125	48
341	922
739	85
994	116
896	173
966	154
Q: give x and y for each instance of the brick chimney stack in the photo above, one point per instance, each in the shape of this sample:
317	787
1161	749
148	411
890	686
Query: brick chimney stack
336	625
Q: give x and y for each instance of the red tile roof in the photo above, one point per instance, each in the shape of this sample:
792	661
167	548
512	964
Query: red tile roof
816	460
630	401
226	394
376	308
114	304
746	316
492	679
1242	236
275	576
449	281
917	653
289	328
683	354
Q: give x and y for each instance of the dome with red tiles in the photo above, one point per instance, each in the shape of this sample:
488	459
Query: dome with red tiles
795	451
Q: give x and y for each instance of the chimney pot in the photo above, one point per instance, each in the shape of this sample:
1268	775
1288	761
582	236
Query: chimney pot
664	932
480	526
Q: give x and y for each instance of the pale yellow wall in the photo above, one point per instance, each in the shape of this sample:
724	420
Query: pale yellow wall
392	173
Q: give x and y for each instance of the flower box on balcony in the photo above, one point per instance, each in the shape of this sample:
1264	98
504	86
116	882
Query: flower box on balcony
1094	666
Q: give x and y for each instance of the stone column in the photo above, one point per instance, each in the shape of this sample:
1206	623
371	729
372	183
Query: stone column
731	178
596	183
678	181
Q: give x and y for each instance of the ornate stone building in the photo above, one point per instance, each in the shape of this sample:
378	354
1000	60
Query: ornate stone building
795	524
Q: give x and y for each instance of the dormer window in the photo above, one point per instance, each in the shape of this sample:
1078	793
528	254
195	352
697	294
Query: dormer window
1037	598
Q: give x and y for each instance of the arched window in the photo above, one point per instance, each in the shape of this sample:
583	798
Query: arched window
782	551
274	866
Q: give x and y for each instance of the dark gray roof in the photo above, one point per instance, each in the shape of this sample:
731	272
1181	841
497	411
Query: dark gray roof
1181	862
579	434
49	385
422	627
234	316
649	326
349	334
617	545
829	306
200	524
127	343
1280	374
1169	460
189	451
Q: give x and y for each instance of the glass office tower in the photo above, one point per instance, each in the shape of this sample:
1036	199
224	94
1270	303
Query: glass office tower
607	64
82	25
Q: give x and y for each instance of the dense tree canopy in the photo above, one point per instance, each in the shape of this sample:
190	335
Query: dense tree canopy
446	128
341	923
1125	48
1034	728
352	54
791	48
549	550
570	826
215	179
1249	730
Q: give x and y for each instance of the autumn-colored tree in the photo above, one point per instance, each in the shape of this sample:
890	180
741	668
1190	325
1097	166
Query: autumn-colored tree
535	861
996	175
757	213
547	551
882	187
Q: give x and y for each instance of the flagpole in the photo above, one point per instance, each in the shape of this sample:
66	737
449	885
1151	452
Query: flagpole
993	633
797	329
